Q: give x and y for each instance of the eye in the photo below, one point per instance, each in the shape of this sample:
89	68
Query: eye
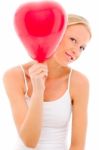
73	39
82	48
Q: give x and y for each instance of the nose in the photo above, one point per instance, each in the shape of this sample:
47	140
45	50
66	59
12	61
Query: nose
75	52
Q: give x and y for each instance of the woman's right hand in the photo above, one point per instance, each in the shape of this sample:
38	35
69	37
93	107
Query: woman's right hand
38	73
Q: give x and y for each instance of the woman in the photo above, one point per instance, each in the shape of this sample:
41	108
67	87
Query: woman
43	95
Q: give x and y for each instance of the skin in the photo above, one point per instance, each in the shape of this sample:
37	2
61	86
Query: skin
44	79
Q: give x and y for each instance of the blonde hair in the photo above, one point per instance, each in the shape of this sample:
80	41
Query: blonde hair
74	19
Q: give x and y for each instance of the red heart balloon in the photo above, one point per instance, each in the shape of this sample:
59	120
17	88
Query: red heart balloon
40	26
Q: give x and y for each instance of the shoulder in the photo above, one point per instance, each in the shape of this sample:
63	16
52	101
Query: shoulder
12	74
79	78
79	84
13	79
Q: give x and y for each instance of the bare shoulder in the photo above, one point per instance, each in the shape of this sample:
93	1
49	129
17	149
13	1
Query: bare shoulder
79	78
12	71
79	84
13	75
13	81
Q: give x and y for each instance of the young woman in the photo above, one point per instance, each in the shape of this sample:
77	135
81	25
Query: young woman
44	95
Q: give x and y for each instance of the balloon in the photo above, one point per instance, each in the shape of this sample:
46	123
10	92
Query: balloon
40	26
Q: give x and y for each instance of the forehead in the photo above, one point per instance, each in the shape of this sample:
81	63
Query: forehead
78	31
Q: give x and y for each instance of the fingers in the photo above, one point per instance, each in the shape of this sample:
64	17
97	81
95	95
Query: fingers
38	70
38	73
37	67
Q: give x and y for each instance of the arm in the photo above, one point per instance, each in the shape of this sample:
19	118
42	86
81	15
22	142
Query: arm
79	112
27	119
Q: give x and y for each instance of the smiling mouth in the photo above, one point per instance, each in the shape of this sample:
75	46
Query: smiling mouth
69	56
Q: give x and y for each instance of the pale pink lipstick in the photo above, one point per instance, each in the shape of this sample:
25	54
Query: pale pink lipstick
69	56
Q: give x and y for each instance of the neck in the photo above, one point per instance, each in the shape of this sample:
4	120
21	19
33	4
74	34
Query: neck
54	69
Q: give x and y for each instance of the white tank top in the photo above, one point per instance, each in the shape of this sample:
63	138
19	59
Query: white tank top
56	116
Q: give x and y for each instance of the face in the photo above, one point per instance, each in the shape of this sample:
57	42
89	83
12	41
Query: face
72	45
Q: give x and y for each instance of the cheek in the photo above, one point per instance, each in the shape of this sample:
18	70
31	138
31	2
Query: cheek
57	55
65	44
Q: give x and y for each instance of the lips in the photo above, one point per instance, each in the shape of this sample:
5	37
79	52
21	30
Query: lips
69	56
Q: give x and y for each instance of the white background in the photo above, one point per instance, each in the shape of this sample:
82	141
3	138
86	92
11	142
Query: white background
13	53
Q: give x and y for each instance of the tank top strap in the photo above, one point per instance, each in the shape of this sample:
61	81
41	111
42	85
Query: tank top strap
25	81
69	78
